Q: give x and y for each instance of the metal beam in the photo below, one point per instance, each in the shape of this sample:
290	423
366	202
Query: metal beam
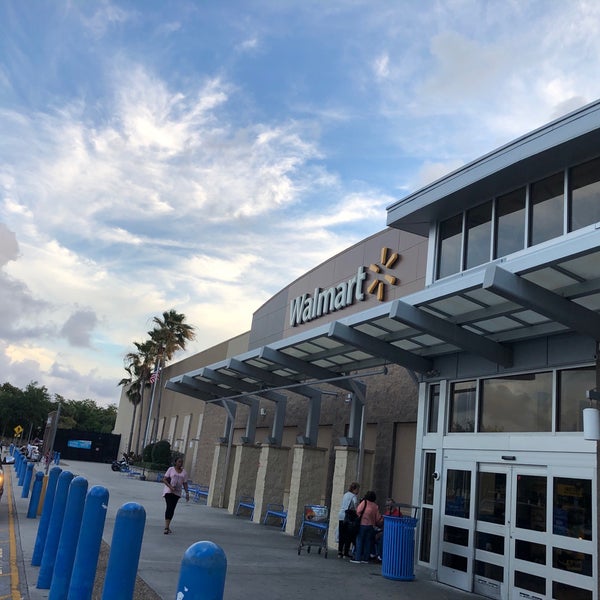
302	366
215	390
369	344
181	388
268	377
451	333
547	303
239	385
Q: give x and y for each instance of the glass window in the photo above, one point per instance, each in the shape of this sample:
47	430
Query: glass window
489	542
434	404
585	194
491	505
563	591
428	483
479	235
547	209
463	397
510	223
573	385
572	508
530	582
489	571
449	252
426	525
458	493
530	551
519	403
574	562
456	535
531	502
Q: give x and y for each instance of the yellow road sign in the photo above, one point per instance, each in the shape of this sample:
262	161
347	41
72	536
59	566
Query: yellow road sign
18	430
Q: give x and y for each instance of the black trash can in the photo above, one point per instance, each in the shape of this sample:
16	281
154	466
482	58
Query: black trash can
399	548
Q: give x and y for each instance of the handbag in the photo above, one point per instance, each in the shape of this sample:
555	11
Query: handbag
351	516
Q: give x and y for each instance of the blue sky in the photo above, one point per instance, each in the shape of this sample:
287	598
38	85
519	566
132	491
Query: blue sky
202	155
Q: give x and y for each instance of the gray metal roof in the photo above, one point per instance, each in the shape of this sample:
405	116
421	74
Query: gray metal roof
566	141
551	289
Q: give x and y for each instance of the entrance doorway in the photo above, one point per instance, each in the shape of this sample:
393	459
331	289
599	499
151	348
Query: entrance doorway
518	531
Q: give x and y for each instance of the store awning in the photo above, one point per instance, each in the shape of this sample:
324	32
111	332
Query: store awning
481	312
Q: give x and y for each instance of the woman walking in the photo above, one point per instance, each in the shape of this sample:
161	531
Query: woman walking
175	480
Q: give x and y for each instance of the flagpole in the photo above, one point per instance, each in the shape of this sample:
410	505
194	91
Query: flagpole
153	379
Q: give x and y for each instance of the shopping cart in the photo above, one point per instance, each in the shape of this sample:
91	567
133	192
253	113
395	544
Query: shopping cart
314	528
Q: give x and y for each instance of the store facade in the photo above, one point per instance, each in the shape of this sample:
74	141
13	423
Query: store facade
481	301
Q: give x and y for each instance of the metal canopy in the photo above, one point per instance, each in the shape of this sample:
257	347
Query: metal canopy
481	312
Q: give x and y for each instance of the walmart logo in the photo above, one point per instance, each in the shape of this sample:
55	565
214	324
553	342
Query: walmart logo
307	307
378	285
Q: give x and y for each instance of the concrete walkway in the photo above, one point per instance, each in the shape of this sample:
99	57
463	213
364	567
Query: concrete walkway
262	562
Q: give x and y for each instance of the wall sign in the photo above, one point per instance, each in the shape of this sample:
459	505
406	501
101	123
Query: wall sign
309	307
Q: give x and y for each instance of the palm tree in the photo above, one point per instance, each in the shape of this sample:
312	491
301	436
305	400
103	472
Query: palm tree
169	335
138	366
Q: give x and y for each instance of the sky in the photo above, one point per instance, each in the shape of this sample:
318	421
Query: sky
202	155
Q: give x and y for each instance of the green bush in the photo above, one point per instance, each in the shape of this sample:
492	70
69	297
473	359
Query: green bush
161	453
147	453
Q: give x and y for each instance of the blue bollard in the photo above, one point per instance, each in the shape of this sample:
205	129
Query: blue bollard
21	474
36	493
202	574
88	547
57	458
67	545
27	480
42	533
124	552
54	529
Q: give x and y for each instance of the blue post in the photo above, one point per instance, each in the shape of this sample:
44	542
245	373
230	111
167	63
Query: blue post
11	449
22	468
54	529
36	493
124	552
40	540
88	547
27	480
57	458
202	574
65	555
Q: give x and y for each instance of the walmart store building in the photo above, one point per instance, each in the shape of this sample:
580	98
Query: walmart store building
446	361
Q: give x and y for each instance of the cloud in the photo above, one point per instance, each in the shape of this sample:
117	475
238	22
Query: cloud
79	326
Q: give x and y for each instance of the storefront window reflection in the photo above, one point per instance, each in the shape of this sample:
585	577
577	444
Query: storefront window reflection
458	493
572	508
518	403
462	406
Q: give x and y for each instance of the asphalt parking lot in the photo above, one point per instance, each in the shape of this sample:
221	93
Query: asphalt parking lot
262	561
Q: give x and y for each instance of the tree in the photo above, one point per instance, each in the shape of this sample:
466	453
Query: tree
28	408
138	366
170	334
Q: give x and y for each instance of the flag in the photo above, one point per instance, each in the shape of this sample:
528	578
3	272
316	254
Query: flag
154	376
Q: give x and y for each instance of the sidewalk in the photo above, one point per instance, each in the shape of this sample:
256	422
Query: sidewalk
262	562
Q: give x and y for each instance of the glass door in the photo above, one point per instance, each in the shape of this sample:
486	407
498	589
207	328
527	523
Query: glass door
455	564
521	532
492	537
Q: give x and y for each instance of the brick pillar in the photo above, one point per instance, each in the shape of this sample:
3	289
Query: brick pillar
344	473
243	477
307	485
270	479
220	482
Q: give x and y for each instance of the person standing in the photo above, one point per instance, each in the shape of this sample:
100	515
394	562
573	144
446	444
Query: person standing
175	480
370	518
346	533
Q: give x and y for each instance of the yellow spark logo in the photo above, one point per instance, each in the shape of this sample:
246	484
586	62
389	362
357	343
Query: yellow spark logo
388	260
